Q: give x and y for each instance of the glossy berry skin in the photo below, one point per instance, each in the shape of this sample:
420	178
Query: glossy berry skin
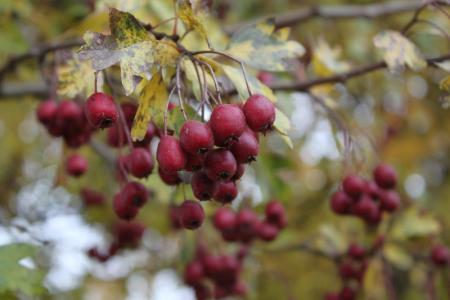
227	123
169	178
202	186
225	191
440	255
390	201
276	214
194	162
193	273
196	137
341	203
101	110
46	111
135	194
76	165
170	155
385	176
191	214
220	164
123	208
365	208
240	170
224	219
246	149
139	163
353	186
92	197
259	113
267	231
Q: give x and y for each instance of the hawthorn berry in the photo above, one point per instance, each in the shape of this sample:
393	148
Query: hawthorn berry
347	293
194	162
191	214
247	224
276	214
246	148
202	186
365	208
240	170
385	176
123	208
267	231
224	219
128	234
225	191
193	273
135	194
220	164
353	185
92	197
139	162
341	203
259	113
196	137
76	165
170	155
46	111
101	110
440	255
356	251
390	201
169	177
227	123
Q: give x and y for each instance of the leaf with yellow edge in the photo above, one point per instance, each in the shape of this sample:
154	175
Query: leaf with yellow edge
191	75
327	60
237	78
414	223
445	84
399	51
77	78
397	256
282	125
374	280
190	19
263	48
152	102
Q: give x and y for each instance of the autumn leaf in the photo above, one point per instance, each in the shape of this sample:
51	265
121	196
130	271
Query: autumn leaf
282	125
414	223
263	48
397	256
152	102
190	19
399	51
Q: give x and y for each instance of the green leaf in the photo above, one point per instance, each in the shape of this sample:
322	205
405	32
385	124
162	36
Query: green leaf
152	103
15	277
126	29
399	51
282	125
237	78
261	47
414	223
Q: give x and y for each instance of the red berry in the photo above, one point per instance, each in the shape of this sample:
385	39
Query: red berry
356	251
135	194
239	172
340	203
265	77
390	201
440	255
139	162
116	136
224	219
92	197
169	154
191	214
46	111
247	223
267	231
123	208
196	137
227	124
385	176
229	268
194	162
259	113
211	265
220	164
69	118
225	191
173	217
101	110
169	178
246	148
353	185
128	234
347	293
202	292
202	186
347	270
193	273
372	189
365	208
276	214
240	289
76	165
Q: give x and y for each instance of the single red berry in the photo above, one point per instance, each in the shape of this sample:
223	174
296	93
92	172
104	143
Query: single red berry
227	123
267	231
92	197
139	162
240	170
353	185
390	201
356	251
193	274
101	110
169	178
385	176
211	265
231	235
275	214
69	117
173	217
46	111
123	208
191	214
365	208
202	186
116	136
375	217
128	234
259	113
194	162
347	293
440	255
229	270
202	292
220	164
196	137
135	194
225	191
265	77
246	148
247	224
169	154
76	165
240	289
340	203
347	270
224	219
372	189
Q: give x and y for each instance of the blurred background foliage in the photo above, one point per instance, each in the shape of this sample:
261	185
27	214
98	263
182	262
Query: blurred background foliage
402	119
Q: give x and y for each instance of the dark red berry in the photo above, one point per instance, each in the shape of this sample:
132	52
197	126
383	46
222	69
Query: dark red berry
390	201
220	164
347	293
239	172
76	165
202	186
227	123
347	270
372	189
46	111
265	77
139	162
240	289
123	208
202	292
276	214
353	185
196	137
128	234
169	154
191	214
69	117
225	191
246	148
440	255
194	162
365	208
193	273
341	203
169	178
224	219
247	224
385	176
135	194
101	110
356	251
91	197
259	113
116	136
229	269
173	217
267	231
211	265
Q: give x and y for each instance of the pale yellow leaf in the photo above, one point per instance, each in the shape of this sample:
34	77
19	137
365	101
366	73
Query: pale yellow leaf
414	223
397	256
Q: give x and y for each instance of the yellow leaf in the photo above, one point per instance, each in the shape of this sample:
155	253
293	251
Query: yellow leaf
414	223
326	59
282	126
399	51
397	256
445	84
192	22
152	102
374	281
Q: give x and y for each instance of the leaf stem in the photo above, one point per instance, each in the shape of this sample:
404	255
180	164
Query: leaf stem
178	84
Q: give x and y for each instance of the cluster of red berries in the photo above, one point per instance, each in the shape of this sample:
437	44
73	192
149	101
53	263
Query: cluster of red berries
245	225
126	235
368	199
219	271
